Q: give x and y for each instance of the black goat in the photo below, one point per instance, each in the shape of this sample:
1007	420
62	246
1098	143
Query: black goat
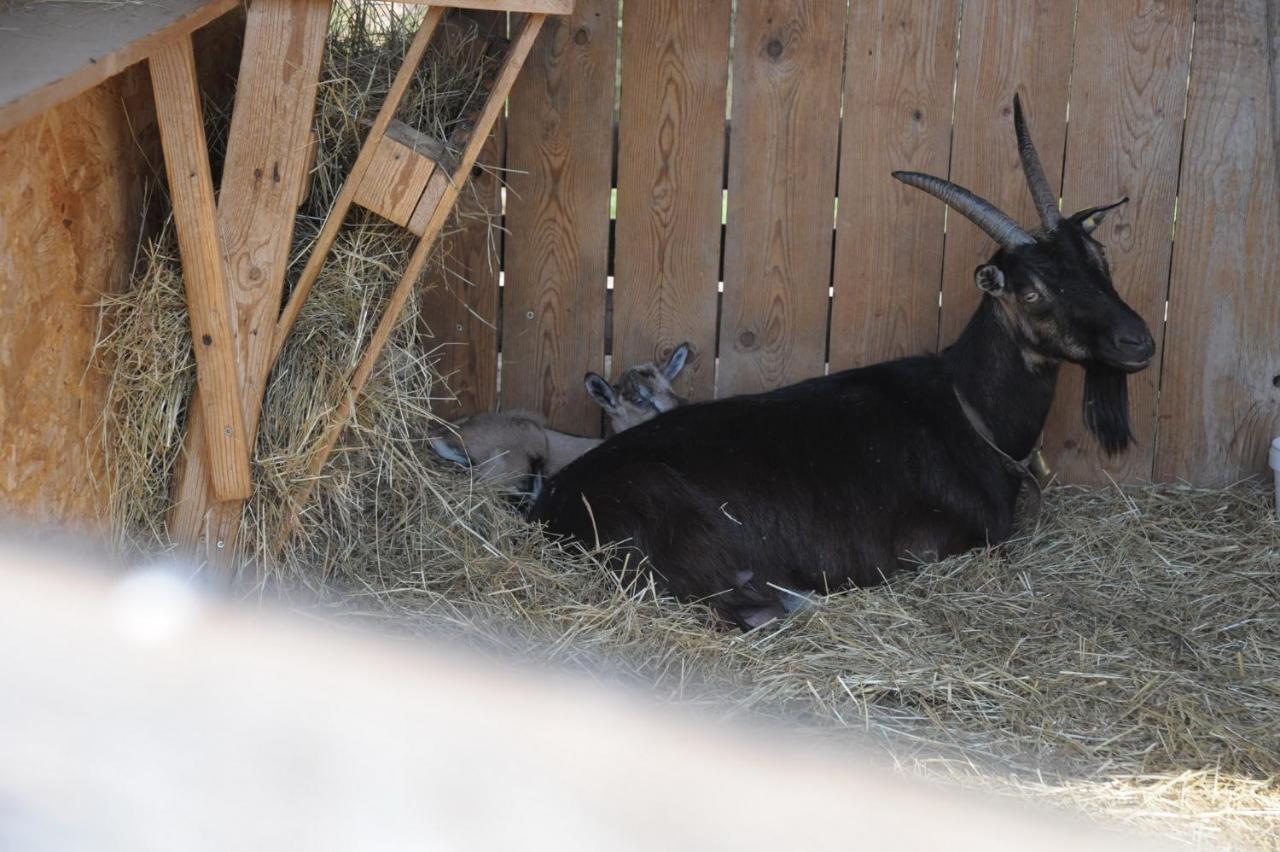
746	501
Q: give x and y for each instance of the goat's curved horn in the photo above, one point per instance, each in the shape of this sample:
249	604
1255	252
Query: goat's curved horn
1041	191
977	210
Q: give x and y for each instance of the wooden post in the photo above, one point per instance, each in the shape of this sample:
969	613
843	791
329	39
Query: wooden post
262	179
177	94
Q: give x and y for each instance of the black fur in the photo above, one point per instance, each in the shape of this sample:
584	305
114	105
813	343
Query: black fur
843	479
1106	407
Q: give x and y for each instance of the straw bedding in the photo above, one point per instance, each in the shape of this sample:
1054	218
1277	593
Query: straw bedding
1122	657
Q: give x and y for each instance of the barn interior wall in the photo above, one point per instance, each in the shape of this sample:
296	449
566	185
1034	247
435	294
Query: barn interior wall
73	181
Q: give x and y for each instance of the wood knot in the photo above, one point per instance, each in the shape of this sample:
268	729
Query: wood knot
917	115
747	340
774	48
207	340
1275	381
254	273
581	37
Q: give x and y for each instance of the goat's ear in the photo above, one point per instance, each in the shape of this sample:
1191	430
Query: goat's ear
675	363
448	446
989	279
1092	217
601	391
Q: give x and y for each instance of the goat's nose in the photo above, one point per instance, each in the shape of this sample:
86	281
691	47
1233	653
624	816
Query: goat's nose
1135	342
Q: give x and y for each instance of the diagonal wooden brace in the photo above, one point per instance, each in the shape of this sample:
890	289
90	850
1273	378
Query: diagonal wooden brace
515	58
262	180
186	158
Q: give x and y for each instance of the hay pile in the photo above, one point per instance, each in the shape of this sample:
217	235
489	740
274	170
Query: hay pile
1122	659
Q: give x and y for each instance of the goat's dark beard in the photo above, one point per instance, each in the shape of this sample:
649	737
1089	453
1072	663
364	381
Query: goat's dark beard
1106	407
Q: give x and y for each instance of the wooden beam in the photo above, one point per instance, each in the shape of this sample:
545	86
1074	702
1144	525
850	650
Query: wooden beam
262	179
428	202
54	51
395	180
416	140
421	253
177	94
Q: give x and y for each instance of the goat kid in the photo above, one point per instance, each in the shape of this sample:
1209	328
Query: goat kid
641	392
749	501
517	449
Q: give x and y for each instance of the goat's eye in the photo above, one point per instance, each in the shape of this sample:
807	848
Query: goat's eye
1031	296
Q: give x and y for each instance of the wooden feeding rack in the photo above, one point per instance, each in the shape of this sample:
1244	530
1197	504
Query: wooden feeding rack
235	248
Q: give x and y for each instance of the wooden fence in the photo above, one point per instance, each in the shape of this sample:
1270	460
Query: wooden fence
730	155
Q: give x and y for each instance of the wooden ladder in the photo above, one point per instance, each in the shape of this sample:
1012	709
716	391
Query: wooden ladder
234	287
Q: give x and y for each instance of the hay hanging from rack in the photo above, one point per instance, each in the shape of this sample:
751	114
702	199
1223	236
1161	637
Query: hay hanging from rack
1123	659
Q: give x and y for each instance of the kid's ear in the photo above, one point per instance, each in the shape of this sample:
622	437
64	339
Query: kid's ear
675	363
448	445
601	391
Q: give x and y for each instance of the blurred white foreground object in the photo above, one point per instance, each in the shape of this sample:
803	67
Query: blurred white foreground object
135	717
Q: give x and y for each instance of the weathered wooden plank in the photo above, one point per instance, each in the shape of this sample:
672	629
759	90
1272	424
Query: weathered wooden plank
186	157
428	202
782	180
558	214
1220	390
899	71
460	295
459	300
416	139
54	51
675	60
261	182
1128	91
422	252
1022	47
394	181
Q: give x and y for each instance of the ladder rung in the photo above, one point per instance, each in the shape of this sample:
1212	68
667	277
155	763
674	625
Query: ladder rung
395	180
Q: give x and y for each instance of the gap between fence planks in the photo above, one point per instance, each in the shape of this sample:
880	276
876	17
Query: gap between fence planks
900	68
262	180
557	249
1022	47
493	107
670	162
1220	392
186	158
782	181
1128	92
